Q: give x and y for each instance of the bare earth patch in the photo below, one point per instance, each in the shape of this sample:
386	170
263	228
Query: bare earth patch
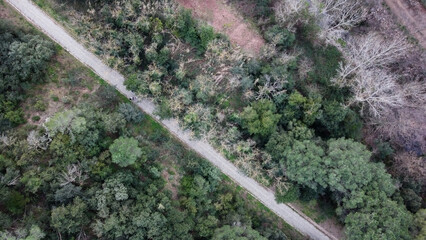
226	20
56	95
412	15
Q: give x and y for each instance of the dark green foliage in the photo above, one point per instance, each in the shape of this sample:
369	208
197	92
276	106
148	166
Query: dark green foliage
383	151
289	195
15	202
332	118
130	112
412	201
106	97
22	63
277	145
326	61
35	118
188	29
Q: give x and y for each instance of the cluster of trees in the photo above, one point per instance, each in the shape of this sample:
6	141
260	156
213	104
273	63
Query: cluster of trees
23	59
85	175
282	117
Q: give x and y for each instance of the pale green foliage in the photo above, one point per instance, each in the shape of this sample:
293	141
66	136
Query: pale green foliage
78	125
67	192
113	121
112	190
61	122
203	87
21	234
125	151
260	118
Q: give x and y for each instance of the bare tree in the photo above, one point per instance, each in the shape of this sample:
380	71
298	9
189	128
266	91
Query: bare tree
376	92
37	141
367	52
411	164
74	173
404	127
290	13
336	17
365	73
7	139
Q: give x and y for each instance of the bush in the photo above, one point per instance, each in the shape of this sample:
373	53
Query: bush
290	195
35	118
54	98
40	105
130	112
198	36
282	38
106	96
15	202
260	118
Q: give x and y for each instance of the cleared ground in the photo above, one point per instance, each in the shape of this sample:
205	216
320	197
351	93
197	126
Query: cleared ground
412	16
226	20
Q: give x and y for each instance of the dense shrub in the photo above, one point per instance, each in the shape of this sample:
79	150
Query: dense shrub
23	59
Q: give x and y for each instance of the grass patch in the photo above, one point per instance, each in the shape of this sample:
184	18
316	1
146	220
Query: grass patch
318	210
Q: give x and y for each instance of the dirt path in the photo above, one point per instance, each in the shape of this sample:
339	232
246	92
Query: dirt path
41	20
226	20
412	16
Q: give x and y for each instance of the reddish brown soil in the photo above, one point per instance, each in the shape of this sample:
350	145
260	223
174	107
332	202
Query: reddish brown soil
226	20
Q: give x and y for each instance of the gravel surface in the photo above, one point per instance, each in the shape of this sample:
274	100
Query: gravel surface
41	20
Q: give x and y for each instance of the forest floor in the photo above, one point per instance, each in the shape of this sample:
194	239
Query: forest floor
226	20
412	15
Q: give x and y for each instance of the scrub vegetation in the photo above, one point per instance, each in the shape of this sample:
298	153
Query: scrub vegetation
295	118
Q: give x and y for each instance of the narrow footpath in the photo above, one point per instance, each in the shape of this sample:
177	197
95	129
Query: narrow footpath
42	21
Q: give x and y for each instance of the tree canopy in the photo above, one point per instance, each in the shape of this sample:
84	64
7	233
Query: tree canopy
125	151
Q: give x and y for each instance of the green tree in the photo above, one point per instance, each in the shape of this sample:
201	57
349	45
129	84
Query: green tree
125	151
420	224
236	232
386	220
304	164
130	112
260	118
70	218
301	108
35	233
348	164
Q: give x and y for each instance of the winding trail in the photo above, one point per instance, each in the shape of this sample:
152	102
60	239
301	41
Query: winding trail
41	20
